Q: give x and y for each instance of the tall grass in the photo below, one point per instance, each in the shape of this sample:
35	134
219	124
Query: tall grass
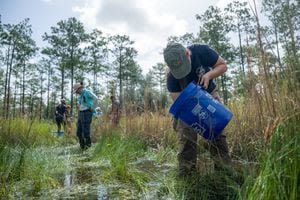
27	170
279	176
120	151
26	132
155	128
265	140
200	186
254	121
269	139
21	163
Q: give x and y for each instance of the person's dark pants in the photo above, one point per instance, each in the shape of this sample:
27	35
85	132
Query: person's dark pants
187	152
59	122
84	128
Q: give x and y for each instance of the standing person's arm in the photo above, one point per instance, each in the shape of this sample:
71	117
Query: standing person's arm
95	100
78	103
92	99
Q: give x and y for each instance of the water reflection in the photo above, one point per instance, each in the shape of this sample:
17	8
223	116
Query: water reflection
68	181
85	178
102	193
81	175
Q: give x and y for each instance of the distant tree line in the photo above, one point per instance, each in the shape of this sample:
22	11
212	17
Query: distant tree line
33	79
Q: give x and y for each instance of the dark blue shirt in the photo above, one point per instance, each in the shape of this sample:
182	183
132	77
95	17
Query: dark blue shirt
60	110
202	60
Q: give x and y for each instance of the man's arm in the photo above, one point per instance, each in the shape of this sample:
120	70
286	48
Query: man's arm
218	69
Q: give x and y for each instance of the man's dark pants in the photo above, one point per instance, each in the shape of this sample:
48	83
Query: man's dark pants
84	128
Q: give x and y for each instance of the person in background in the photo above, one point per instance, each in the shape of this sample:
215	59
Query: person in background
201	64
60	112
68	120
115	112
98	115
87	101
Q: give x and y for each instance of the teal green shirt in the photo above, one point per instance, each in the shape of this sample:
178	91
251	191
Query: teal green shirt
87	100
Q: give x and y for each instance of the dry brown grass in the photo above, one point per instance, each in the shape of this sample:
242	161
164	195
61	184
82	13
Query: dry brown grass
255	119
156	128
254	122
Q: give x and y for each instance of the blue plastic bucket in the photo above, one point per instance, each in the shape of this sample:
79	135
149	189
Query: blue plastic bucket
200	111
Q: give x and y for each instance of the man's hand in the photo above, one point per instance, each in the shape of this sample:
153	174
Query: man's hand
205	80
217	70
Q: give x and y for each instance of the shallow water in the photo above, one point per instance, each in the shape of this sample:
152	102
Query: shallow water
86	177
83	178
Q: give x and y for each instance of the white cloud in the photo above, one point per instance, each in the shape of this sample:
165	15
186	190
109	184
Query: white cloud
88	12
148	23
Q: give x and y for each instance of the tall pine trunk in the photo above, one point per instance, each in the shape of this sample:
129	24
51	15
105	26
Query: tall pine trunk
72	78
15	100
6	82
23	90
8	85
48	90
41	98
241	51
10	58
120	80
62	80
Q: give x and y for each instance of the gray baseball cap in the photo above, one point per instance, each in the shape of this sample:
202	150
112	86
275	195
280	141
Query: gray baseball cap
177	60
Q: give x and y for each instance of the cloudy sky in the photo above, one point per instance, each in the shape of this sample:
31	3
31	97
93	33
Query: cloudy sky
148	22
